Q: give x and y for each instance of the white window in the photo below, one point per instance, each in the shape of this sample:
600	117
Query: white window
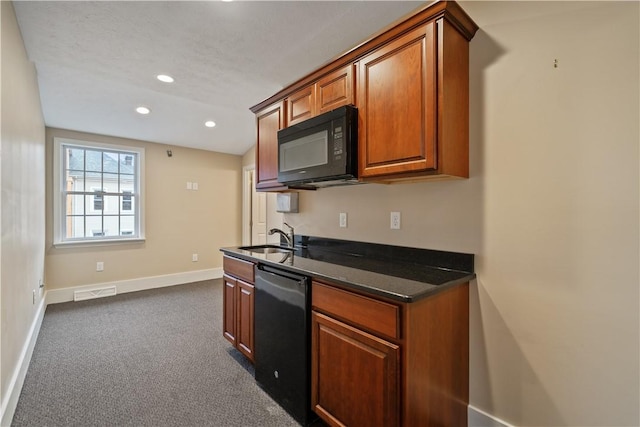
98	191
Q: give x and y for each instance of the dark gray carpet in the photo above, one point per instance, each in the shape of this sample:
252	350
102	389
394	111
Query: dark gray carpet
150	358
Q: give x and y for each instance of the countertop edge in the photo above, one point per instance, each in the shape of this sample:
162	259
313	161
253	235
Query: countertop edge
430	290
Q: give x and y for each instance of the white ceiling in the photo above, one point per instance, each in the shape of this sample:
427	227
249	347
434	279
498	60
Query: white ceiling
97	61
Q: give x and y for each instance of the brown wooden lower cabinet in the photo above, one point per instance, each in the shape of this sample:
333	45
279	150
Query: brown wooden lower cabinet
238	305
245	304
229	324
412	369
355	375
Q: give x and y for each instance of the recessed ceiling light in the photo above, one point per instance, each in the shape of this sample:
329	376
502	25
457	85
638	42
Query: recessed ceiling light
165	78
143	110
210	123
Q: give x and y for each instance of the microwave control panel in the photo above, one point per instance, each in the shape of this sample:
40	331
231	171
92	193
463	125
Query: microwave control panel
338	139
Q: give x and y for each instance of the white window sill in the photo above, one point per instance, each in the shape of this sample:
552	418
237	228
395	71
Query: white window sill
103	242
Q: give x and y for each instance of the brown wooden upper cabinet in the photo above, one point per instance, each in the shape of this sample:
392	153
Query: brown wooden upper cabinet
331	91
413	106
301	105
269	120
335	89
397	106
411	87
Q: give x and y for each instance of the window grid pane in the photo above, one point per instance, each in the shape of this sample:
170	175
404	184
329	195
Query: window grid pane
99	193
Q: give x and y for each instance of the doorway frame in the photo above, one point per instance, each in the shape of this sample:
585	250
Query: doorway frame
248	174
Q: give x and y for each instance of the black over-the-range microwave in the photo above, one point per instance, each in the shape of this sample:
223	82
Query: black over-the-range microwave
321	151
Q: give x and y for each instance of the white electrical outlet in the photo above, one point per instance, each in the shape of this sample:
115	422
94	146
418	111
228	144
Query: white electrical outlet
100	266
343	220
194	257
395	220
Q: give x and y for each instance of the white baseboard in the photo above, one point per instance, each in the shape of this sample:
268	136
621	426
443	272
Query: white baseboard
479	418
10	399
55	296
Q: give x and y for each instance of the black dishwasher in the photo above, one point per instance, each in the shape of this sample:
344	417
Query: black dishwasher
282	339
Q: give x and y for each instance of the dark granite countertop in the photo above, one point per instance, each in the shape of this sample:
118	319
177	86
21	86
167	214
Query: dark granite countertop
399	273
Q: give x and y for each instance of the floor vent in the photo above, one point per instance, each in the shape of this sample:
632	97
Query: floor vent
94	293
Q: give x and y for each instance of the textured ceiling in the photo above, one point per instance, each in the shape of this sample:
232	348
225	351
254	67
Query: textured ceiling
97	61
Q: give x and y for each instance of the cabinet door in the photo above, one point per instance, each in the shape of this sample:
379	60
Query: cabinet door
330	92
335	89
229	309
354	375
245	309
397	106
301	105
270	121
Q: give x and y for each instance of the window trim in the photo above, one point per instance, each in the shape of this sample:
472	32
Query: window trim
59	213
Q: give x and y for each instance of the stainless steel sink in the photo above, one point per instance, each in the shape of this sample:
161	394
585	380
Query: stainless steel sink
267	249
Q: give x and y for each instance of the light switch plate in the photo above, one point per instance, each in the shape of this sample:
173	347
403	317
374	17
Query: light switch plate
343	220
395	220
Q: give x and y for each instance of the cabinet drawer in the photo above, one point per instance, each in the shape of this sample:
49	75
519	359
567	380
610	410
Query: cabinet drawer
374	315
238	268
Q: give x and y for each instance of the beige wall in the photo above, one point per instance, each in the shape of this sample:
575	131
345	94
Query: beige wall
249	158
178	222
22	211
551	212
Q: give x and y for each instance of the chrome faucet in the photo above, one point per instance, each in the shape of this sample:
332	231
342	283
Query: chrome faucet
288	237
